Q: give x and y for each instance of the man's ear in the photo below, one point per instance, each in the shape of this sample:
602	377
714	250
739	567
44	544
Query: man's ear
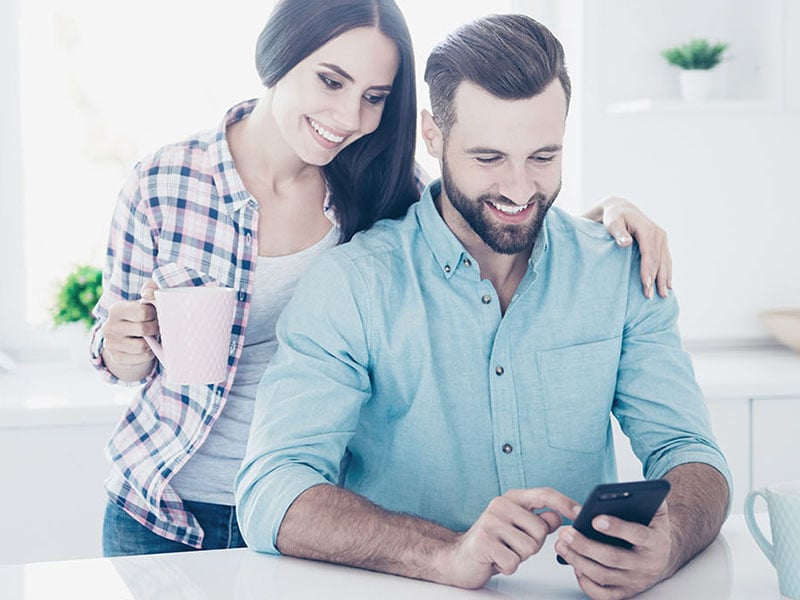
434	140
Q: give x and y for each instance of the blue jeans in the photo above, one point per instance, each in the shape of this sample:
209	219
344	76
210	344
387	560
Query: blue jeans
124	535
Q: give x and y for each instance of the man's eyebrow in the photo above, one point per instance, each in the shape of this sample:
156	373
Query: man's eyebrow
488	150
483	150
340	71
551	148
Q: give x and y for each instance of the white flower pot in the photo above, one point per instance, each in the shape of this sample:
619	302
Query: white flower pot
697	84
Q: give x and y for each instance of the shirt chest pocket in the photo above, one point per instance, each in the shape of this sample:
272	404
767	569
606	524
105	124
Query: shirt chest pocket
578	390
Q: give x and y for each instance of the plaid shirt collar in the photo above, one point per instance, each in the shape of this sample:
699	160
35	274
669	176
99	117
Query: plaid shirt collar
230	185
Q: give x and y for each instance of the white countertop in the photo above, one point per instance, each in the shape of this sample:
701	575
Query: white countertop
732	568
747	373
56	394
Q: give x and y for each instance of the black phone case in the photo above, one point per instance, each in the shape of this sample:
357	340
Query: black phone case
635	501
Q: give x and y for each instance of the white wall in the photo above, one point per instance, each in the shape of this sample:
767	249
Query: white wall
10	166
721	180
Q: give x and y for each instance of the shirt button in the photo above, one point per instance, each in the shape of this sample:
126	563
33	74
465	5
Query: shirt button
447	268
486	299
467	262
232	348
499	370
508	448
248	239
242	296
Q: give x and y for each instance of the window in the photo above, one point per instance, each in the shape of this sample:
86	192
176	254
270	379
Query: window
102	84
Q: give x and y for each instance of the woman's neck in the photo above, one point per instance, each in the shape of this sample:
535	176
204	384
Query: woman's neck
262	157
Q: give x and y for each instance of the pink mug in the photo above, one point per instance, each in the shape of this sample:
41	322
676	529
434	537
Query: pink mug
195	325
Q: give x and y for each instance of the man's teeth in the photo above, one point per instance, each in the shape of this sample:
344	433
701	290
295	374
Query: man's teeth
509	210
325	133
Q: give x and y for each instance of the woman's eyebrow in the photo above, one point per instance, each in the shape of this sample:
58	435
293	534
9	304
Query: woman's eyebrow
340	71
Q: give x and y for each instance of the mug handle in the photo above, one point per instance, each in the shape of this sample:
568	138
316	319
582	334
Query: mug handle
752	525
154	344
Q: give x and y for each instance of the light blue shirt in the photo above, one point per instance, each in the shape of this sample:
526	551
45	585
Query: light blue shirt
398	377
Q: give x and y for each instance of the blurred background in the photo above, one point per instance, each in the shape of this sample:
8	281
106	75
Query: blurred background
91	86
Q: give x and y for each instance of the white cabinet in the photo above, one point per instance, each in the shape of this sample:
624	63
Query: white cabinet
730	422
53	497
775	426
55	420
753	397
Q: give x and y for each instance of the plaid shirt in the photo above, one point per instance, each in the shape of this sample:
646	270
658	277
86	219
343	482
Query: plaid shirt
183	217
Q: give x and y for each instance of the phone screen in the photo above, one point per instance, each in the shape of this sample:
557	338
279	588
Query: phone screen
635	501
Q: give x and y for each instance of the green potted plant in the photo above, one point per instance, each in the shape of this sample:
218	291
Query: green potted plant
77	295
696	59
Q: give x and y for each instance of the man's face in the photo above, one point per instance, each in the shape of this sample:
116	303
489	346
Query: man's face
501	166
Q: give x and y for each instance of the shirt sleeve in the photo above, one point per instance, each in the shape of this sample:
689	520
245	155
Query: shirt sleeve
658	403
308	402
130	257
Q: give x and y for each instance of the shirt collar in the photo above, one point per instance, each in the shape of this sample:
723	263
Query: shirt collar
233	194
447	249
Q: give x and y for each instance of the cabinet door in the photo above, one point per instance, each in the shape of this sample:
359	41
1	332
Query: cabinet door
730	424
52	498
776	440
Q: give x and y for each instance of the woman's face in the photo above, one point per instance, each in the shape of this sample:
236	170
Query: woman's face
336	94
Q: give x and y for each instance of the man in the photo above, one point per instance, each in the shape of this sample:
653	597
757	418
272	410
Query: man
444	383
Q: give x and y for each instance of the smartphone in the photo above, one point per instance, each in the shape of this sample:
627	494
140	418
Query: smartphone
635	501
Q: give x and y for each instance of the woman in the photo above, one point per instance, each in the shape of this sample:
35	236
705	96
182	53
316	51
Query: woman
326	152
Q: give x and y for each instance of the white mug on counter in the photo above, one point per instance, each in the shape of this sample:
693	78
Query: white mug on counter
195	325
783	504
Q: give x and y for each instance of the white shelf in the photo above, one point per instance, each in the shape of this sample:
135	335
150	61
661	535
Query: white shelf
683	107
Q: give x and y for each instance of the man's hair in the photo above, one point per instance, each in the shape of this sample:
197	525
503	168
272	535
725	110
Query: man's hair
510	56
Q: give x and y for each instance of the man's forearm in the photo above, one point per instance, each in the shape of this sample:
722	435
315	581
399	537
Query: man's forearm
333	524
697	506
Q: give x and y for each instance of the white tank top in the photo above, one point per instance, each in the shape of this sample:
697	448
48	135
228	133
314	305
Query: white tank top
208	475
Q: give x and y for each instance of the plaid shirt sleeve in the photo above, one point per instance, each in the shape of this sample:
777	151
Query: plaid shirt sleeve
130	260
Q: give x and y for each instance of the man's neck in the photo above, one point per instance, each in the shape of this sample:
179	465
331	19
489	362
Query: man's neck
505	271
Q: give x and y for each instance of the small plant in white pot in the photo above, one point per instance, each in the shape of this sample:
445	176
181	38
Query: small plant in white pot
696	60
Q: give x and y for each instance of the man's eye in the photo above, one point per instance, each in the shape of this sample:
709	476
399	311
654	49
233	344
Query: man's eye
329	83
544	159
487	160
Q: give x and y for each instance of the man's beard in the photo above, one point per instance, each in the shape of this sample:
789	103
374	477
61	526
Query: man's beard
502	238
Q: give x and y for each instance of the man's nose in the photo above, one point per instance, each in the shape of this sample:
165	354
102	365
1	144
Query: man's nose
518	185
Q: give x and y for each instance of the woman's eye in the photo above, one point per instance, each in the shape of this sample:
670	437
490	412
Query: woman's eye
375	99
331	84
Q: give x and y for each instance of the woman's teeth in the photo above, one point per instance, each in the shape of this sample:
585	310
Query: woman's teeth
331	137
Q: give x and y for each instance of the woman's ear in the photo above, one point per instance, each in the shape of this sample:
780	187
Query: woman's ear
434	140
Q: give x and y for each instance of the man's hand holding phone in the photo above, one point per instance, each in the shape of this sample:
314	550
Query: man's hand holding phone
637	557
